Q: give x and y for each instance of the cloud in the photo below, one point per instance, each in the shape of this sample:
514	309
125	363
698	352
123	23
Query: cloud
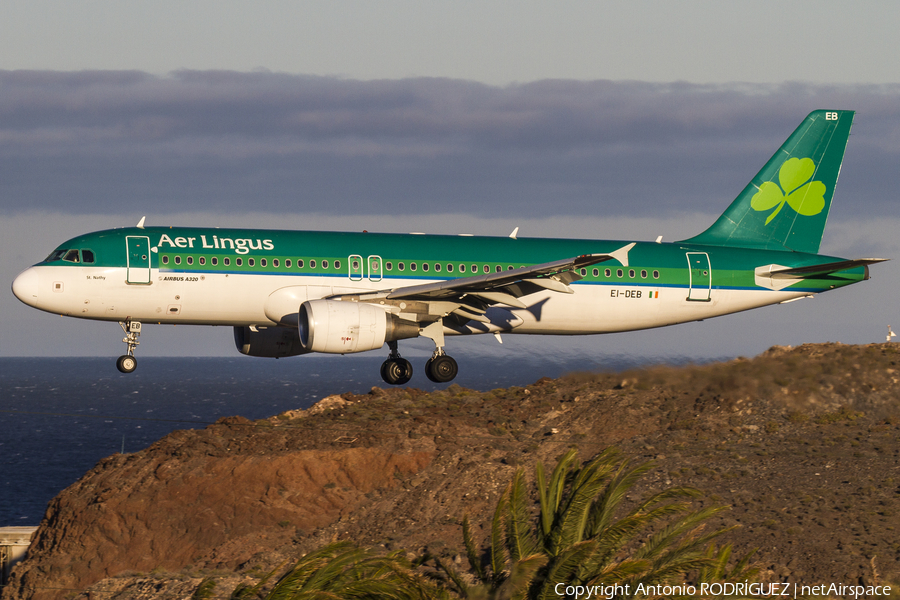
131	143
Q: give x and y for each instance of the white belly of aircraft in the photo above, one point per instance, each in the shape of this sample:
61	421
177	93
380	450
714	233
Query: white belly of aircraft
236	299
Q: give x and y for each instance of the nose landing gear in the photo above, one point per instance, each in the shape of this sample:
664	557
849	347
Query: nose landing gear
127	363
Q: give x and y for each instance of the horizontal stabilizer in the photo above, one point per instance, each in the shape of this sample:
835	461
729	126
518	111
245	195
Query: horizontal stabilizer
825	269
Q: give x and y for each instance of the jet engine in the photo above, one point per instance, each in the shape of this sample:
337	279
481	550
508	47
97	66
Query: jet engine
268	342
344	327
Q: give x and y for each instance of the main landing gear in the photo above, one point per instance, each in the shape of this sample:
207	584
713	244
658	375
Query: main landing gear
127	363
396	370
440	368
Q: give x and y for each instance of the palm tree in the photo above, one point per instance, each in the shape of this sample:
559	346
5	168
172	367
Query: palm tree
577	539
343	571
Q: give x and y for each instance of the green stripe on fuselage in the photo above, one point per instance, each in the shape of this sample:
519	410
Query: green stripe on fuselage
731	268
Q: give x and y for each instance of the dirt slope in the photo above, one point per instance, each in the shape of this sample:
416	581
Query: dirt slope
804	443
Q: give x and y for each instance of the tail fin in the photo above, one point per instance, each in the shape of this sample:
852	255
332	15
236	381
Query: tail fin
786	205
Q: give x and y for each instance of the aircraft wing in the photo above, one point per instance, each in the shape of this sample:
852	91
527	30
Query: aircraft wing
468	298
824	269
505	287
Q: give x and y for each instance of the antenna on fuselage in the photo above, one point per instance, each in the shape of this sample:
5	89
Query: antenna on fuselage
514	233
890	334
140	224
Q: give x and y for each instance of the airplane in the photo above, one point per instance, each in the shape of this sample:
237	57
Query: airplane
288	293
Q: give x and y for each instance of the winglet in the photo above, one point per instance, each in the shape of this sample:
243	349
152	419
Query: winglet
514	233
621	254
140	224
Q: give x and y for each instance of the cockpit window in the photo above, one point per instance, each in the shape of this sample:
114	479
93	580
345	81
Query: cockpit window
71	256
87	256
55	255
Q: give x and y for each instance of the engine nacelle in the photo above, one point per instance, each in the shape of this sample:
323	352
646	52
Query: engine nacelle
269	342
342	327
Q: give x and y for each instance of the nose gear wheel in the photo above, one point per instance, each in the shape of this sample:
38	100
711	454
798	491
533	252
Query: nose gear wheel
127	363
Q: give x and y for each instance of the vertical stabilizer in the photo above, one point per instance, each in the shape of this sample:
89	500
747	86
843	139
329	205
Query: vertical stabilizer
786	205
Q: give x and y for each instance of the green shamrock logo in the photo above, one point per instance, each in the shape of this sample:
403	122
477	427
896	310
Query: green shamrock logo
805	197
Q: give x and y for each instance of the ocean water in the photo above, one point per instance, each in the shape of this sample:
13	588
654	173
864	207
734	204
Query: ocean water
59	416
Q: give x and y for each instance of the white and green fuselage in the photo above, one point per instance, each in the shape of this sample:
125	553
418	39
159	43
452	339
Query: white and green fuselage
292	292
201	284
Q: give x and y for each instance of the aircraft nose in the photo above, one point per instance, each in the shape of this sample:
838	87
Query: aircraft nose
26	285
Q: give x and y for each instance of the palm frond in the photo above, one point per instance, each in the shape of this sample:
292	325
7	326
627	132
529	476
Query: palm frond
563	567
498	547
667	536
571	522
461	587
520	538
604	508
471	551
521	577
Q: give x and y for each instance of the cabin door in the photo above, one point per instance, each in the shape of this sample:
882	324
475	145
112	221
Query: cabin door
700	275
138	257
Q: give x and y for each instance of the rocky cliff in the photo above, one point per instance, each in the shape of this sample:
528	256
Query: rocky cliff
804	444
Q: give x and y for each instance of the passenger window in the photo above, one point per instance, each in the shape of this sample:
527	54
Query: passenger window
389	266
487	269
437	266
238	261
275	262
299	263
631	273
177	260
583	272
499	268
337	264
655	274
462	268
401	266
87	256
449	268
412	266
251	262
596	273
312	264
474	268
190	260
202	260
424	266
509	268
262	262
71	256
607	273
165	260
324	264
227	261
214	261
287	263
619	273
643	274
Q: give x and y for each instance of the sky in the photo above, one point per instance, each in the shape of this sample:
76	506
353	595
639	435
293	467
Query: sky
571	119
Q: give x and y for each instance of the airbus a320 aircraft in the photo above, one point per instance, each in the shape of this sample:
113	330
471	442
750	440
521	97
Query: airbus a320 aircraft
288	293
